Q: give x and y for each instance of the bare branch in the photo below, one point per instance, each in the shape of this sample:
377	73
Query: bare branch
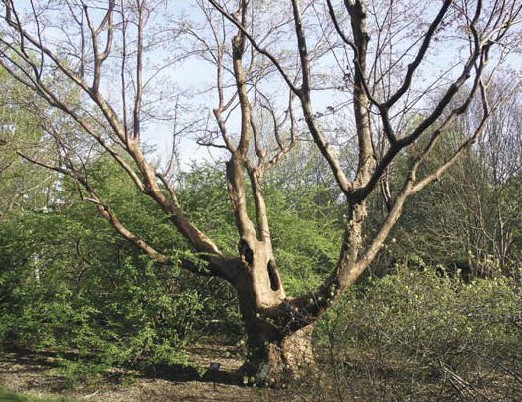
428	37
258	48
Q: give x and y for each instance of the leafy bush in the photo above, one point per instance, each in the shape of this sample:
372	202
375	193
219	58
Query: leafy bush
69	285
428	337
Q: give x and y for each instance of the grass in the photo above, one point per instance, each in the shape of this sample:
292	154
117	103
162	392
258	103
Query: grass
8	396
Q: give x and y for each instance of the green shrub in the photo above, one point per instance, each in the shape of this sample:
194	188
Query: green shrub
70	286
416	333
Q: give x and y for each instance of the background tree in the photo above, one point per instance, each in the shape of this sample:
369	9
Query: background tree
89	61
468	219
28	188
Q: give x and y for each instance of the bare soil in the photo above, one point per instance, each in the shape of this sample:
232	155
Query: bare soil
37	373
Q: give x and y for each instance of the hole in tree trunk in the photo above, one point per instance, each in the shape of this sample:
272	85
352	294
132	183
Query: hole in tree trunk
275	283
246	253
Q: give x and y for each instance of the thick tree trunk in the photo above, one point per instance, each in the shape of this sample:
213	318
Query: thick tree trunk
275	358
296	352
277	348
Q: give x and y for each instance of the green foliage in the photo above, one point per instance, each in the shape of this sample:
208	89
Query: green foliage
22	184
69	284
140	214
305	236
205	199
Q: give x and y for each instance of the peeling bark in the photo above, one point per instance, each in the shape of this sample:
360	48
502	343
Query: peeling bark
277	360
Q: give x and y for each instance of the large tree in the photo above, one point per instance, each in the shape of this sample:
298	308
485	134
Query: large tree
364	81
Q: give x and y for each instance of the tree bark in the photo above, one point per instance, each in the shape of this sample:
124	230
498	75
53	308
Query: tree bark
278	343
277	361
275	355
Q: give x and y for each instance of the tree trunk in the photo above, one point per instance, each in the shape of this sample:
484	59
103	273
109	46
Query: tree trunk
277	348
273	358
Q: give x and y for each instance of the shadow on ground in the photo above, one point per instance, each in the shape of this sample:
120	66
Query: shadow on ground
181	373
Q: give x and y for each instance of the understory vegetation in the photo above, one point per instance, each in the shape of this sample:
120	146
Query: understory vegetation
424	330
422	337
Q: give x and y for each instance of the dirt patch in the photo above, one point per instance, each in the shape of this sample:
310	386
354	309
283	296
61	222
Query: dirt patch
37	373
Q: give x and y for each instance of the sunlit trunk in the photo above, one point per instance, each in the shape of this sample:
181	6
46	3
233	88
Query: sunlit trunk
276	352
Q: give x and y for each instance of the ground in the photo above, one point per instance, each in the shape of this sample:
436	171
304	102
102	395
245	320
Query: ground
37	374
360	376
